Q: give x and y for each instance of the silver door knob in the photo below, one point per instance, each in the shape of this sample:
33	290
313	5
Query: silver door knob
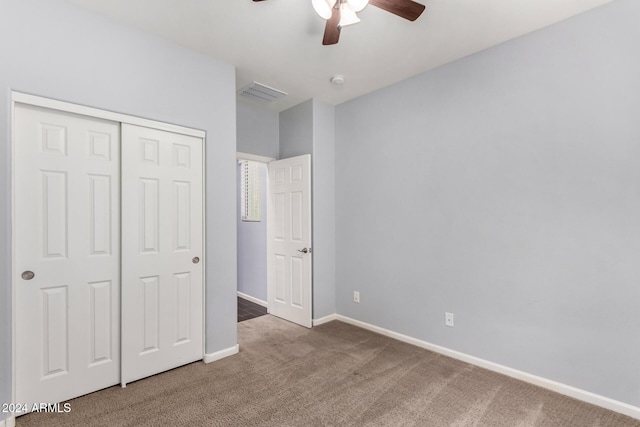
304	250
195	260
28	275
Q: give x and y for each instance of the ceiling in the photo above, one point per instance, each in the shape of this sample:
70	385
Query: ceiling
279	42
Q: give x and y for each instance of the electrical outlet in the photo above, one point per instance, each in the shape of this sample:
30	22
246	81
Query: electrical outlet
448	319
356	296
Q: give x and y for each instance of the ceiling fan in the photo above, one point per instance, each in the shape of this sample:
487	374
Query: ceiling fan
340	13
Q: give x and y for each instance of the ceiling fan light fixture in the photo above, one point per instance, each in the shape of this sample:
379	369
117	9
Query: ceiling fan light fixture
322	8
358	5
347	15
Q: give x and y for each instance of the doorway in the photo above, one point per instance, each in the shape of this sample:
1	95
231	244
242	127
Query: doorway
274	237
252	217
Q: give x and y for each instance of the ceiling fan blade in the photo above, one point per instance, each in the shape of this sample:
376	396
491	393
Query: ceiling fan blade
331	29
406	9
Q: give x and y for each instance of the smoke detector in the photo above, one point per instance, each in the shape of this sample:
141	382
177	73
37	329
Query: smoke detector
338	80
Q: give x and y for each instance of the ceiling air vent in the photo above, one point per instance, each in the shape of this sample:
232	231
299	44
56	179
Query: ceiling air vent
260	92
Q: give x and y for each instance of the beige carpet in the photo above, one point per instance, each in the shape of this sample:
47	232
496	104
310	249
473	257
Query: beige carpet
331	375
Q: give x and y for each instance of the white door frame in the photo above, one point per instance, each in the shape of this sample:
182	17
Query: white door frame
254	157
38	101
266	160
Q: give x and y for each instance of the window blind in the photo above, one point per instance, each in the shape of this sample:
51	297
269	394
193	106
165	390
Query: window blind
250	191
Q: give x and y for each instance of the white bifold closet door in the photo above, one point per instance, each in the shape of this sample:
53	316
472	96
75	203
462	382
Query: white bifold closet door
96	203
66	254
162	243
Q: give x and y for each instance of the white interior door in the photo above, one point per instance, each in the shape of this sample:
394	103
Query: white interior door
289	265
66	254
162	245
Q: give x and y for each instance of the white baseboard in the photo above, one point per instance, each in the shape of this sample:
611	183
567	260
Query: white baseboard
212	357
567	390
252	299
325	319
9	422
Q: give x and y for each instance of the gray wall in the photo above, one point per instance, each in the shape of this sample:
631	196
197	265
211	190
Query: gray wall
52	49
296	130
257	129
324	223
258	132
309	128
252	245
505	188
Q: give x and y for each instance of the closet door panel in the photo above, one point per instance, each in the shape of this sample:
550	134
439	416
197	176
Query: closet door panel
162	244
67	233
